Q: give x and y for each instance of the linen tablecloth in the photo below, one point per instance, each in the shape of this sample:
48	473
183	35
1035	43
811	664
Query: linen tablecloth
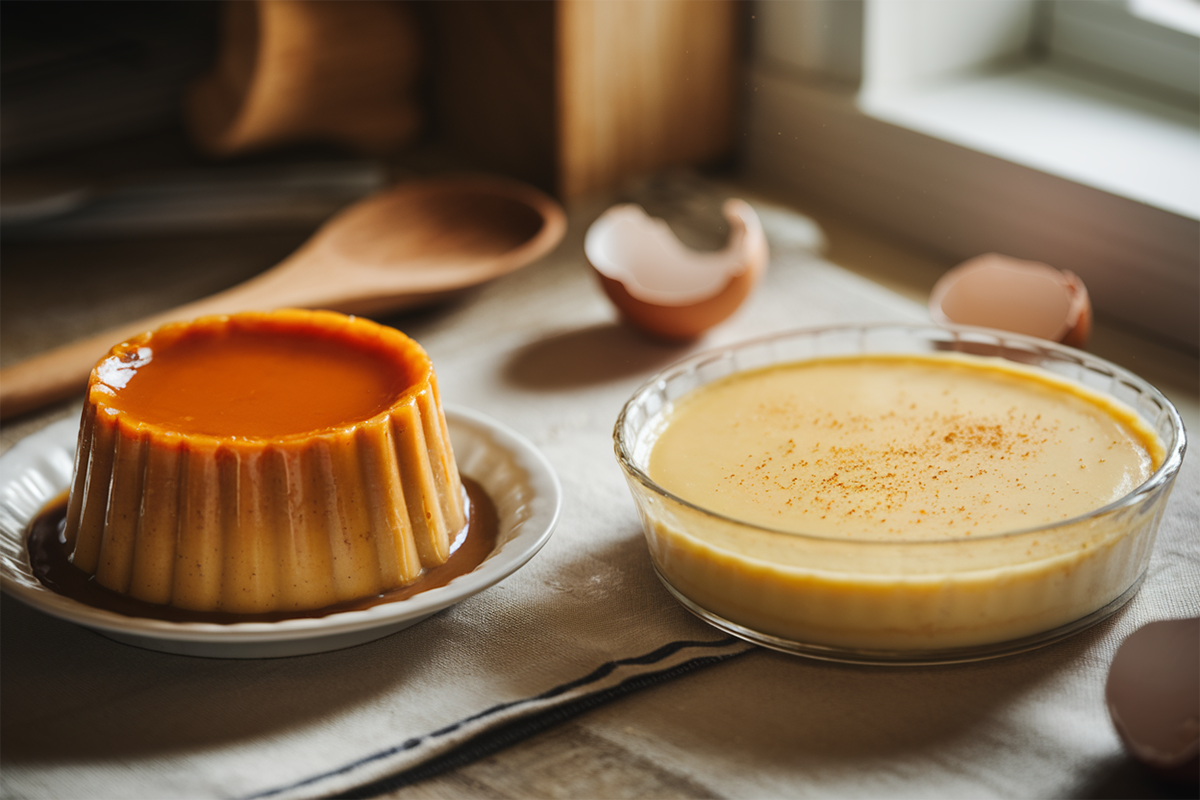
584	623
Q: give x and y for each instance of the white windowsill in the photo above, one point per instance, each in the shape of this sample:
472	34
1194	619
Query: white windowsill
1049	120
956	174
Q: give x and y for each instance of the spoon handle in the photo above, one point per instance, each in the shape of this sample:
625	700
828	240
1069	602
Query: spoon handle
59	373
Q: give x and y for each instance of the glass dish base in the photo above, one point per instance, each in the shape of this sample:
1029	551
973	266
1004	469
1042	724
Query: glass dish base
906	658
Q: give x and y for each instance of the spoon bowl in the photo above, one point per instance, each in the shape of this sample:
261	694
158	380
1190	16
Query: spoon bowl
407	246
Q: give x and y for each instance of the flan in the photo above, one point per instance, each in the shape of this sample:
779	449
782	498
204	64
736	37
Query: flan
880	503
263	462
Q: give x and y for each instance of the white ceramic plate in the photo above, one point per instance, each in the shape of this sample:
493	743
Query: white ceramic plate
515	475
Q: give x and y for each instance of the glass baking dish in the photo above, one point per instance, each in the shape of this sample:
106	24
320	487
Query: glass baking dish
905	601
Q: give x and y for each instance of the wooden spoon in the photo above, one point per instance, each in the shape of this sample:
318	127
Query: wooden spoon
406	246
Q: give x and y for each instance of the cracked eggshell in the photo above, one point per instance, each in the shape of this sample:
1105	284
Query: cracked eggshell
665	288
996	291
1153	697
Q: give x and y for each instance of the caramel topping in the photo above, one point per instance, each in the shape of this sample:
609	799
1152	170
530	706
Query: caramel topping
252	380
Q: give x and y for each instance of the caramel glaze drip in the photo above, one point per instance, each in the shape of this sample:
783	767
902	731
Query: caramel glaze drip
50	558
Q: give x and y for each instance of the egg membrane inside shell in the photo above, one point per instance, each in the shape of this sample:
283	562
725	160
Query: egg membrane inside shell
644	255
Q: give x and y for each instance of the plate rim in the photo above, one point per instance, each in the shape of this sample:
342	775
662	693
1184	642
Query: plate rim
532	533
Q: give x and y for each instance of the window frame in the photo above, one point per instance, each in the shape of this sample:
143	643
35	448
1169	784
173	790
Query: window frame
1139	256
1112	39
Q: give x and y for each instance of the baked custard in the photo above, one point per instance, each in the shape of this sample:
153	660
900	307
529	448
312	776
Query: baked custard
904	447
263	462
895	507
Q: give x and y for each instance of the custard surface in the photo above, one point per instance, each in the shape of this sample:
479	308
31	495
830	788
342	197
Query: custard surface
900	448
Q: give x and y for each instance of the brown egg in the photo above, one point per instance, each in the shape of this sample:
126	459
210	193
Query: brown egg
665	288
1153	695
995	291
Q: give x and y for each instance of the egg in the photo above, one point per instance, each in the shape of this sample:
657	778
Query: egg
1153	696
997	291
665	288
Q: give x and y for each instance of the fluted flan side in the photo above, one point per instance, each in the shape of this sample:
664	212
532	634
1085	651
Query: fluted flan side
245	526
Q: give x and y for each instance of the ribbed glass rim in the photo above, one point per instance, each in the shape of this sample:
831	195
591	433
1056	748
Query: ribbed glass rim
957	334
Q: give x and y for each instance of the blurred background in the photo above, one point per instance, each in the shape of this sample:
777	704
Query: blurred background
1063	131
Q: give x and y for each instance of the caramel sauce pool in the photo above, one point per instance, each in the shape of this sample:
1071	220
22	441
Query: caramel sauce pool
49	557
